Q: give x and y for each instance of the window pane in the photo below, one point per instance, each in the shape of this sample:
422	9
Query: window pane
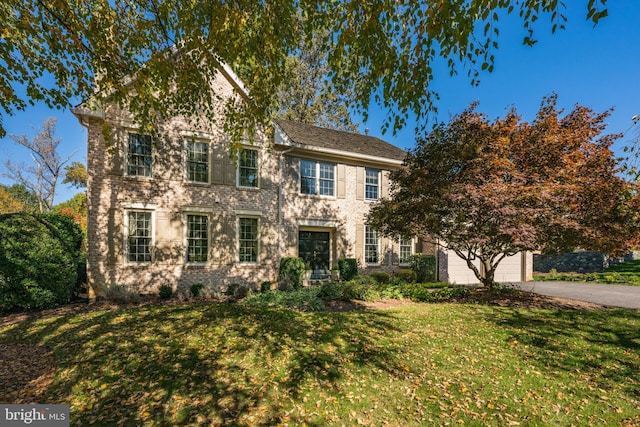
371	184
248	236
248	168
139	155
197	238
197	161
326	179
139	236
371	246
406	250
307	177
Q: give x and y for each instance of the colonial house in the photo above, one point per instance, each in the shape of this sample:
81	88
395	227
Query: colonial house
181	209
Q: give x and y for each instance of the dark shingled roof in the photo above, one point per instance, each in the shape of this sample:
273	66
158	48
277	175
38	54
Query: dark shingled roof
301	133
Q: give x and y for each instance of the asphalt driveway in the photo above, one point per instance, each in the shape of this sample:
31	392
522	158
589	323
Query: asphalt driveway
607	295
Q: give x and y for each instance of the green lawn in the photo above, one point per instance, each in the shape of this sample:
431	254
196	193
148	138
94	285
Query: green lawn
419	364
625	273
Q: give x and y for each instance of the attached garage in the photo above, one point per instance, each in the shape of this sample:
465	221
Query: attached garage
453	269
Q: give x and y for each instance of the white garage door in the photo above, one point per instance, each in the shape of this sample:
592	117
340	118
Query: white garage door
509	269
459	271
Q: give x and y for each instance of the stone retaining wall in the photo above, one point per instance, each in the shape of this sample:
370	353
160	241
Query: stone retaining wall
581	262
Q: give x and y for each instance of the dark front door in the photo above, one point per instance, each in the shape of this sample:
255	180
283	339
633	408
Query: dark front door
315	249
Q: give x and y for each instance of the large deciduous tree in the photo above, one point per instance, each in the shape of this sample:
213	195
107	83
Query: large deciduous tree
41	177
487	190
61	52
308	96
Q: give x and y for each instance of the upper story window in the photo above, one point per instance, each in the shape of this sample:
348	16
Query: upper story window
248	168
317	178
139	155
197	238
371	246
372	184
139	236
406	250
248	239
197	161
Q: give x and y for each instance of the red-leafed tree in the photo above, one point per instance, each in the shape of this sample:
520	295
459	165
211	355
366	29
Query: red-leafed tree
487	190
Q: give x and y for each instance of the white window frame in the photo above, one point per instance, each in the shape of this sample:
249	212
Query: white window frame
317	178
377	184
257	238
187	161
127	160
187	214
367	232
257	168
152	222
411	250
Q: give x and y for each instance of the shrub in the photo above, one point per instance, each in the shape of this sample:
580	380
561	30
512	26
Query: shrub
265	286
165	291
424	267
121	294
291	272
406	275
241	291
348	268
381	276
38	251
196	289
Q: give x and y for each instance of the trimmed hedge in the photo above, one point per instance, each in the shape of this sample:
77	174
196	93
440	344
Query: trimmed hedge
406	275
39	260
291	272
424	266
348	268
381	276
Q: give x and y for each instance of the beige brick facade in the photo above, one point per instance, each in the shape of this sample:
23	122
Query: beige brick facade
163	202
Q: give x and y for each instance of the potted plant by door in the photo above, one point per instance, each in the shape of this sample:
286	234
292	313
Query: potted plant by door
307	272
335	273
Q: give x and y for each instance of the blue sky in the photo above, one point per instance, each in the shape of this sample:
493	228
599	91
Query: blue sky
595	67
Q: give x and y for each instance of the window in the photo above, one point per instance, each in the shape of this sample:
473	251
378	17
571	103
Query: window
371	245
197	238
197	161
139	236
317	178
406	250
248	239
248	168
371	184
139	157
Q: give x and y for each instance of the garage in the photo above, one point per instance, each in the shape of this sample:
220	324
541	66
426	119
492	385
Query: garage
453	269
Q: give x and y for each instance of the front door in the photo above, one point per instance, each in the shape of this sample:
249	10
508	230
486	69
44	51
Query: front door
314	247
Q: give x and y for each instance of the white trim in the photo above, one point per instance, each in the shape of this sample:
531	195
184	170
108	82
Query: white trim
185	239
258	160
305	222
258	246
185	160
248	212
139	206
379	179
125	234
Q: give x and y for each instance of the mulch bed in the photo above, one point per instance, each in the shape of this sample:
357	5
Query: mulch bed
26	370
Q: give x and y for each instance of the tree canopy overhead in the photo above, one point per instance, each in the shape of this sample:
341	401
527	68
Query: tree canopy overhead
487	190
65	51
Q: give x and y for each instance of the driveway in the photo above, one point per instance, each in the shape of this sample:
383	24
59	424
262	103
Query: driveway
607	295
